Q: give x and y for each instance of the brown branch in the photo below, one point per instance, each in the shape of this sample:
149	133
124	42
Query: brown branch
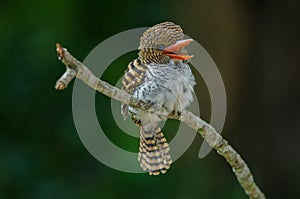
210	135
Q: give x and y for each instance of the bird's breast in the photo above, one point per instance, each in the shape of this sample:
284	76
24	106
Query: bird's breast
168	85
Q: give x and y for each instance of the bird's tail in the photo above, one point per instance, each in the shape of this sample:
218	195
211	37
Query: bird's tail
154	154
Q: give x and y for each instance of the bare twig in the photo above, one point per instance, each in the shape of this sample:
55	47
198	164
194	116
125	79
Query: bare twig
210	135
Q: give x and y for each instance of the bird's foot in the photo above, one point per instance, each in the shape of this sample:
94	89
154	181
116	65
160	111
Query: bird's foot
175	114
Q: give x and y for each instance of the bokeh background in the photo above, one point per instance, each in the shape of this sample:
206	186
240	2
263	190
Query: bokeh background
255	45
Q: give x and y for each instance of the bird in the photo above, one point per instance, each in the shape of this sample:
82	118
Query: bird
161	77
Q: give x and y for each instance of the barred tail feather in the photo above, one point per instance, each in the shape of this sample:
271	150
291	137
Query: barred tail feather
154	154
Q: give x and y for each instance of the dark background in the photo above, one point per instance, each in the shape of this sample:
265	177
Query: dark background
255	45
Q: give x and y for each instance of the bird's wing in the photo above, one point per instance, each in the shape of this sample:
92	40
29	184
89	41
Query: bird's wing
133	78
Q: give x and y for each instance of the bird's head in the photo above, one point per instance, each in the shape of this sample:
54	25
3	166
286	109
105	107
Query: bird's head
163	42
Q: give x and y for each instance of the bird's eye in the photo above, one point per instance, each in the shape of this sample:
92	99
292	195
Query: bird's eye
161	47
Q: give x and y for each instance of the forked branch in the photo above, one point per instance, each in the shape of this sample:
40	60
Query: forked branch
210	135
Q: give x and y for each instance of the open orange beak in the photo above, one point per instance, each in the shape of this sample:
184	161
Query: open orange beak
173	51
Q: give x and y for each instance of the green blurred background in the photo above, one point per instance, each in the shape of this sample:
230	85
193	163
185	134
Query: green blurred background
255	44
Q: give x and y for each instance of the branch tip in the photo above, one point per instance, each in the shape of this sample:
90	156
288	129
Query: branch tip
60	85
60	51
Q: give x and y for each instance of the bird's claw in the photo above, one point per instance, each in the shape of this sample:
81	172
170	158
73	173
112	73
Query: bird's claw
175	114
